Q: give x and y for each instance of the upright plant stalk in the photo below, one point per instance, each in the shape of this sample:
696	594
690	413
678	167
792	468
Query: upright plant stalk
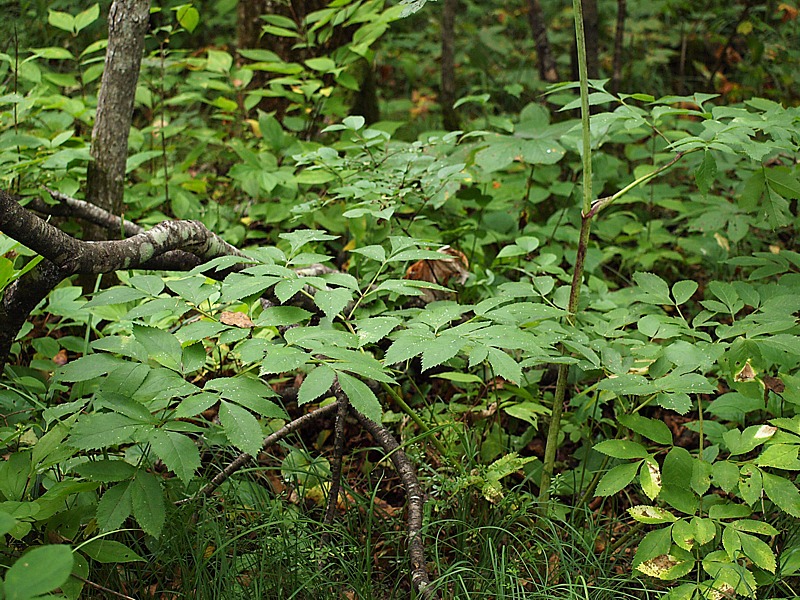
577	273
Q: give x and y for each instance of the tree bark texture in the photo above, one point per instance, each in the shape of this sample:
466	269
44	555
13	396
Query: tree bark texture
619	37
547	63
127	25
447	95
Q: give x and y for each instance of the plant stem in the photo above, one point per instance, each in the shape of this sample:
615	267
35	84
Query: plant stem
577	273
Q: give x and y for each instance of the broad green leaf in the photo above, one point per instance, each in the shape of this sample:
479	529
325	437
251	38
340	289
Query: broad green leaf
276	316
38	571
725	475
283	359
149	284
682	291
108	551
706	172
105	470
504	366
751	526
361	397
617	479
374	329
316	383
114	507
241	428
161	346
441	349
147	500
651	515
676	473
407	345
179	453
783	493
332	302
621	449
655	543
116	295
757	551
88	367
103	430
188	17
653	429
61	20
780	456
87	17
652	289
650	478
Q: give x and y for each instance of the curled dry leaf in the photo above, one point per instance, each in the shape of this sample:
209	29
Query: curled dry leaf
453	265
235	319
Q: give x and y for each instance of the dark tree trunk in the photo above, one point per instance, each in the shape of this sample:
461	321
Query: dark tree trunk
127	25
447	96
591	24
547	64
619	37
366	101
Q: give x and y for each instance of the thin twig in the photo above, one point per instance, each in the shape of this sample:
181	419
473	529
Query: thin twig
244	458
416	551
102	588
343	406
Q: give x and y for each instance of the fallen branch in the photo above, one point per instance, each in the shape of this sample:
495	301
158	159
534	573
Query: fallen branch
416	550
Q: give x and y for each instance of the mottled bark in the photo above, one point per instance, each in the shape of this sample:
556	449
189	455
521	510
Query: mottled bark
619	37
127	25
447	93
547	63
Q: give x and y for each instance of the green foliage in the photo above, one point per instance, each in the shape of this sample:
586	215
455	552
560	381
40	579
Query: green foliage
682	358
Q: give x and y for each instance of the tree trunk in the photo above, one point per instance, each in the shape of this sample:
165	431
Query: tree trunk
619	36
127	25
547	64
591	24
447	96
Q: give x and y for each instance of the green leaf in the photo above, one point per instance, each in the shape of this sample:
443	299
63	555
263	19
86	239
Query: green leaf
374	329
407	345
361	397
241	428
276	316
725	475
114	507
706	172
655	543
676	473
780	456
37	572
109	551
653	429
115	295
188	17
757	551
332	302
617	478
651	515
441	349
61	20
316	383
504	366
105	470
179	453
88	367
621	449
103	430
147	499
282	359
783	493
161	346
87	17
682	291
652	289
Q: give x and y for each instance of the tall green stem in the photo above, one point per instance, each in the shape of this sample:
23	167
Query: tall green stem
577	273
